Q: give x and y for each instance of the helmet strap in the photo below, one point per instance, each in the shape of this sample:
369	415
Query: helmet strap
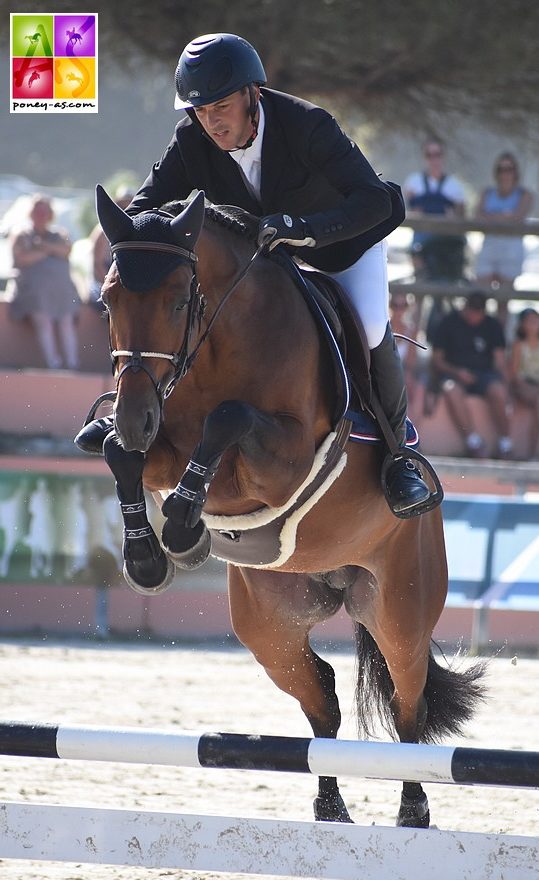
252	112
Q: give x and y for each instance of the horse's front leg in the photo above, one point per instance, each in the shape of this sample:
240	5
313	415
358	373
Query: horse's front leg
147	569
258	436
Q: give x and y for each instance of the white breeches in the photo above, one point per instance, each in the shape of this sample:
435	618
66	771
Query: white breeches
366	284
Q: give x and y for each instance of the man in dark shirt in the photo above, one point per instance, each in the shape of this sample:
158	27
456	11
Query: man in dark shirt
469	356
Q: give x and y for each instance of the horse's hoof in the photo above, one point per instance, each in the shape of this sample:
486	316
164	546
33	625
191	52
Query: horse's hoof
414	812
332	809
198	541
154	583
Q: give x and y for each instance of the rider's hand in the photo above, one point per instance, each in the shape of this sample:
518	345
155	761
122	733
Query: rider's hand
283	229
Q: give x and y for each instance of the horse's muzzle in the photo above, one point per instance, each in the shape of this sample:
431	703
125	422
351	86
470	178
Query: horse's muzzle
136	432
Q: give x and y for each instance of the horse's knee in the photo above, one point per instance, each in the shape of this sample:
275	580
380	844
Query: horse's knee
228	423
119	461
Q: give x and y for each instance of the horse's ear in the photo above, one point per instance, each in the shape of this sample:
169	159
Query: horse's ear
187	225
116	224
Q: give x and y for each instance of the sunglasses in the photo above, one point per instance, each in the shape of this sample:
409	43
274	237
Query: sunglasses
400	306
501	168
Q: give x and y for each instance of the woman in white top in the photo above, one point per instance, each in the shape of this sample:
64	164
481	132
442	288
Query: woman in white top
501	256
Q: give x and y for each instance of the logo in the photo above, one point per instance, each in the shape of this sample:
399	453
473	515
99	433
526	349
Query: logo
53	63
288	220
193	94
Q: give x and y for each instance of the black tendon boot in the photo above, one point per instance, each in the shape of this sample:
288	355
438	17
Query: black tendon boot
404	485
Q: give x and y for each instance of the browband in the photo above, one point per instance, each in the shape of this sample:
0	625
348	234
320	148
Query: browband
155	246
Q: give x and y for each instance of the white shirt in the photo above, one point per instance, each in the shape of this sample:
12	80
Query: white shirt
451	188
250	160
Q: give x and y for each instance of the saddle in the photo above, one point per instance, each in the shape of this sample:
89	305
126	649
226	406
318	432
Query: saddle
337	322
342	330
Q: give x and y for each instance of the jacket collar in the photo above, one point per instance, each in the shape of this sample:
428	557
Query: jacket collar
274	153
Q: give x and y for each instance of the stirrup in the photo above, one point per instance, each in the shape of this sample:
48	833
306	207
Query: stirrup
434	499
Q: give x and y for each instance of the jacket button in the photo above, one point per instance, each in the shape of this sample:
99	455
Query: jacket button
333	228
326	230
340	226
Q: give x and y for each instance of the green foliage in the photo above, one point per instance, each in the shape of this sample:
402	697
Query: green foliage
423	65
122	179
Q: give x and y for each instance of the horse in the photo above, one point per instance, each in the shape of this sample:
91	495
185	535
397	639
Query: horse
225	407
74	37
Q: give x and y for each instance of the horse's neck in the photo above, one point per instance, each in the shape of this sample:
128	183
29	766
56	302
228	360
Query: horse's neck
221	257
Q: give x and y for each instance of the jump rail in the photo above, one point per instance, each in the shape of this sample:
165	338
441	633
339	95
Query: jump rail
326	850
323	757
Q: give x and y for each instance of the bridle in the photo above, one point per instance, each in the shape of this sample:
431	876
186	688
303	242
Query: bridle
182	360
196	304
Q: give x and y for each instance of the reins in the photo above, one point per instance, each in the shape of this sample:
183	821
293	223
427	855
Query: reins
221	305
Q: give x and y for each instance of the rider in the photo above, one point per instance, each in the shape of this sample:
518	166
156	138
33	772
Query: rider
288	162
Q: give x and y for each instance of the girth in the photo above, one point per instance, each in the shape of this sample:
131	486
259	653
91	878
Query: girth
267	538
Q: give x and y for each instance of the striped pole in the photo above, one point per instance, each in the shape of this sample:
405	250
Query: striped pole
322	757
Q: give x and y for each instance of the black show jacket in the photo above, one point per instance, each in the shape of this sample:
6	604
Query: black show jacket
310	168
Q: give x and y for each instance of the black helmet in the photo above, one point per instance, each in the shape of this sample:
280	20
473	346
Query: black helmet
213	66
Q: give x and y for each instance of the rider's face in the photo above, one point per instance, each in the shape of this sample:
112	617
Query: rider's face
227	122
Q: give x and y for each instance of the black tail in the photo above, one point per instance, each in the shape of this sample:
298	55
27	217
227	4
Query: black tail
451	696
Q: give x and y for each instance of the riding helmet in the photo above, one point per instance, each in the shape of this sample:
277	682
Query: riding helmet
214	66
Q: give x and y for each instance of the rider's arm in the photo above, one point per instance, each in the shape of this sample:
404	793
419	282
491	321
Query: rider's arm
367	201
166	182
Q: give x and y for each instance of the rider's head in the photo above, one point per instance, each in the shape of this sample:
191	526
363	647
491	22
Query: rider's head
217	82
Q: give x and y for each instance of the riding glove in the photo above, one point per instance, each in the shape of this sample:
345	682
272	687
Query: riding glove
283	229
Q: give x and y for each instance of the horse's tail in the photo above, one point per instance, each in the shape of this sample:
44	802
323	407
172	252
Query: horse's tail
451	695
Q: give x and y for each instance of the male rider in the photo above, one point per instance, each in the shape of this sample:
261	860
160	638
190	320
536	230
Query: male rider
288	162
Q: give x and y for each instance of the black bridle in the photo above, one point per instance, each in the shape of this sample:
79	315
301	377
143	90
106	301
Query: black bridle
182	360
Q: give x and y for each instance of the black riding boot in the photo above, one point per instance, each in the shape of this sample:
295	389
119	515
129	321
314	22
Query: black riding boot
405	487
91	437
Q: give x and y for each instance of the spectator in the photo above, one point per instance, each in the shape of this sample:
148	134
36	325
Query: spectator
101	255
501	256
524	370
404	323
469	356
432	191
43	290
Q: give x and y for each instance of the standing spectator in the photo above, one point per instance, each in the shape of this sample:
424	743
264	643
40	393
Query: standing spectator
524	370
432	191
101	253
43	290
469	355
404	323
501	256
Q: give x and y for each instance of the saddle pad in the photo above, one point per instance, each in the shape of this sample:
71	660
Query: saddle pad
366	430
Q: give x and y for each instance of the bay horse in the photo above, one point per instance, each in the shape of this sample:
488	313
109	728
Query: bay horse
225	404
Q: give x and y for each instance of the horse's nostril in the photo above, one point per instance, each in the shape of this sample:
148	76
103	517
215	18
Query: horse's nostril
148	426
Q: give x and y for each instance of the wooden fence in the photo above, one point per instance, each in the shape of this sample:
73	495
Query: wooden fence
440	225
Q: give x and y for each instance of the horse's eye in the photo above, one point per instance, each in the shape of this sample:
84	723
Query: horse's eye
179	307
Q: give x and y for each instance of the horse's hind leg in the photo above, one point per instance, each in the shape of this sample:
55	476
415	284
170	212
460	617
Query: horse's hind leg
272	614
408	665
392	643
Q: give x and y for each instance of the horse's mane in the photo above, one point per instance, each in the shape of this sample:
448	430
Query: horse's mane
229	216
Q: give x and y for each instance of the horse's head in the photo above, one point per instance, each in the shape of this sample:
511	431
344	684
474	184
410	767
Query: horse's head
149	294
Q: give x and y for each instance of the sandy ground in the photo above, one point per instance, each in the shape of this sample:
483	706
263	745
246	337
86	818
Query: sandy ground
199	689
